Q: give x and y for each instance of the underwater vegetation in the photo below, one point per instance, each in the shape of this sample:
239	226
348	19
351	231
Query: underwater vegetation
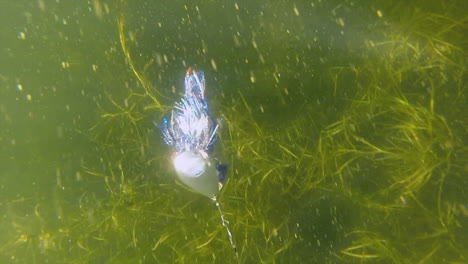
364	162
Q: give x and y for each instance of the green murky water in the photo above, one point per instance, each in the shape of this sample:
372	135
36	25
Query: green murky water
344	127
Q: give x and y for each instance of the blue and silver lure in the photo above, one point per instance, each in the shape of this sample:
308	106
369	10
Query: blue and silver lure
191	132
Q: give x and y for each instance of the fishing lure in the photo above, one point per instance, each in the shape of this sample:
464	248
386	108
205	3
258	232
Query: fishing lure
191	133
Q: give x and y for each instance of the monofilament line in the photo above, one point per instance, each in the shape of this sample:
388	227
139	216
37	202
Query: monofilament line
226	225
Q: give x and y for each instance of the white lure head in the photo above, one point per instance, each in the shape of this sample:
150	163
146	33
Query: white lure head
196	171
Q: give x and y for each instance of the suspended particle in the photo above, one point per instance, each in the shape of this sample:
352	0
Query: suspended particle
252	77
22	35
41	4
296	11
276	77
98	9
261	58
236	41
340	22
78	176
213	65
58	174
59	131
159	59
254	44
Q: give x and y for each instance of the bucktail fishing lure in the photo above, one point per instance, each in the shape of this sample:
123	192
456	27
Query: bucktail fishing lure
191	133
